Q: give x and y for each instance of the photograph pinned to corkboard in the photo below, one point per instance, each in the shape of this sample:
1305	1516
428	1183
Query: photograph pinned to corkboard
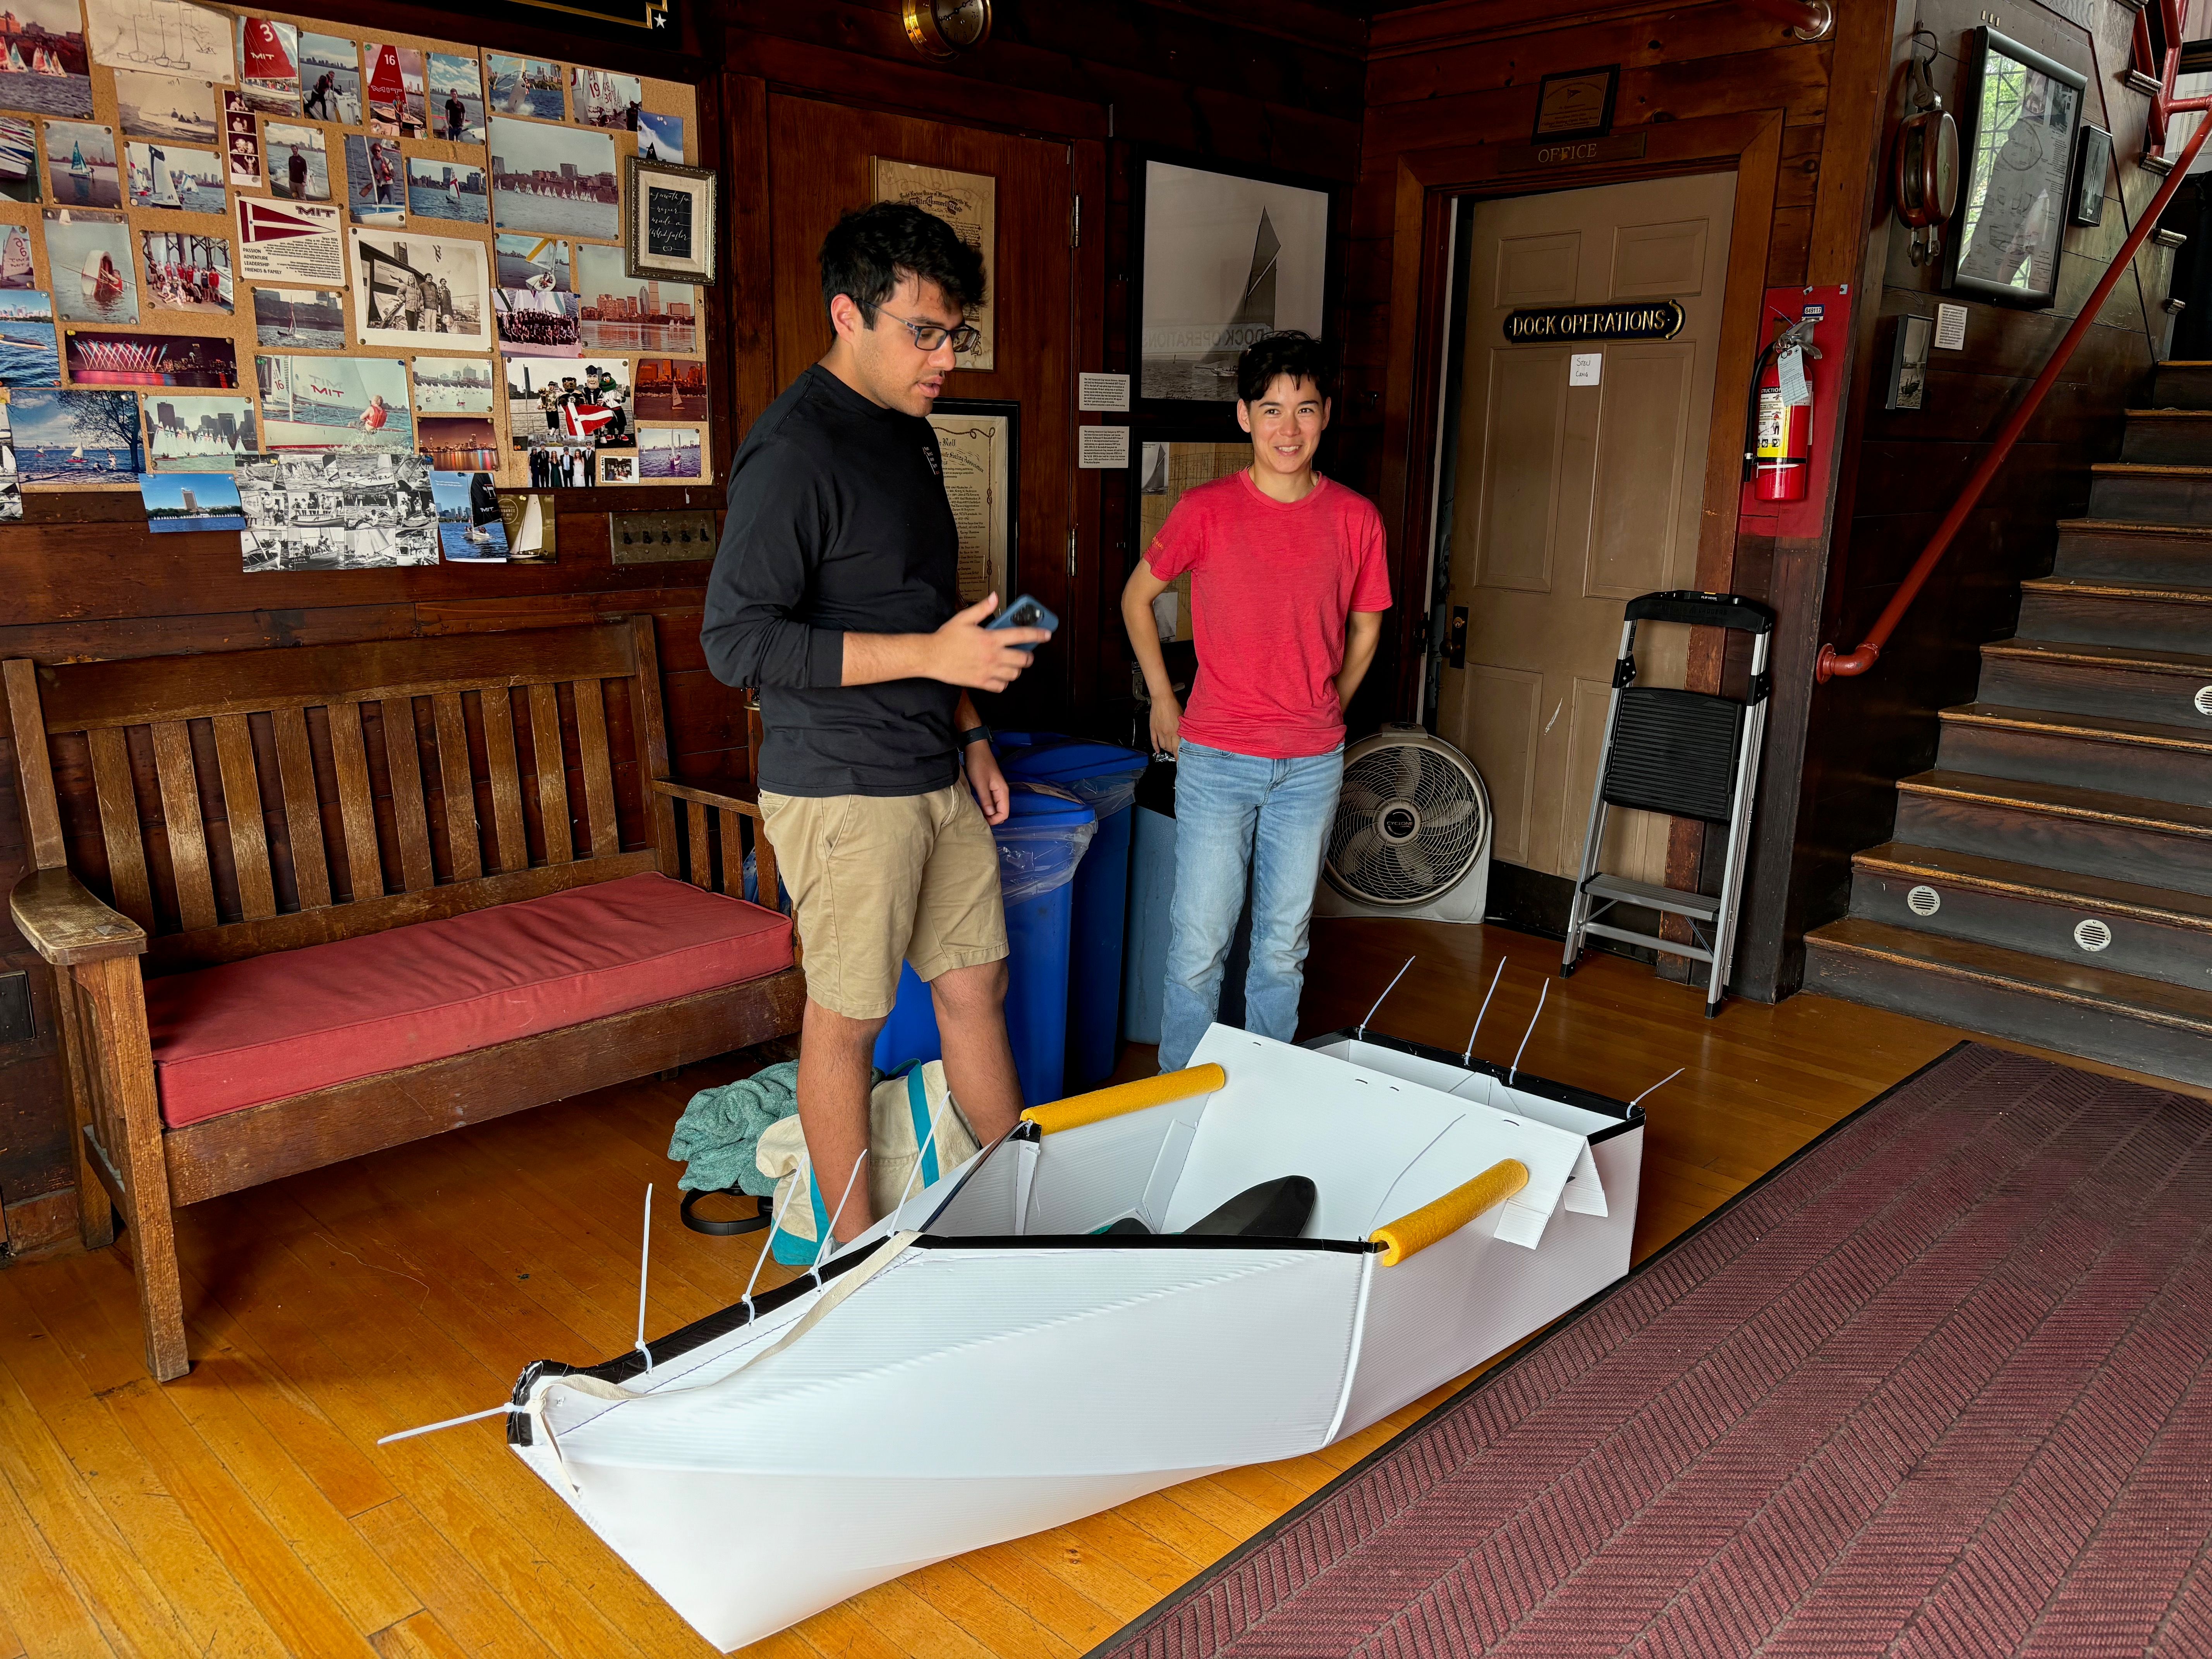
531	537
969	202
198	227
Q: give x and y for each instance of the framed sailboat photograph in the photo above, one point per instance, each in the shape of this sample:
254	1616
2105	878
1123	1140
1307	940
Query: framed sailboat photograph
1223	258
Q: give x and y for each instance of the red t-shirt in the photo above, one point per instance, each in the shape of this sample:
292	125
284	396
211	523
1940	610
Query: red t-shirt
1271	584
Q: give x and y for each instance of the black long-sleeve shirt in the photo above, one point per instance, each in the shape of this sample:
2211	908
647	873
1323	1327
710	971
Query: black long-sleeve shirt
837	523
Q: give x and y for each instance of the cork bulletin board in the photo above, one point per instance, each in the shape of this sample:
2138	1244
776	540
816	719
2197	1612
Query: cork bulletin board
403	246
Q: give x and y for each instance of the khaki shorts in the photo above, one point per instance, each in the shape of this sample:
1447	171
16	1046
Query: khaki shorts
876	879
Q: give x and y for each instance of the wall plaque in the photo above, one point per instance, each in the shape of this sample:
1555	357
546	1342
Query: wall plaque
1637	319
1576	102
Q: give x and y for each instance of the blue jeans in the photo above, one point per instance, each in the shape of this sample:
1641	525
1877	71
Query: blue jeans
1235	813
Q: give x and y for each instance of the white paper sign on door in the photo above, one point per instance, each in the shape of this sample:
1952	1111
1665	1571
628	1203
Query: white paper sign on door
1584	367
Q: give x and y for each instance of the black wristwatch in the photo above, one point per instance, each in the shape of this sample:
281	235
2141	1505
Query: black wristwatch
973	734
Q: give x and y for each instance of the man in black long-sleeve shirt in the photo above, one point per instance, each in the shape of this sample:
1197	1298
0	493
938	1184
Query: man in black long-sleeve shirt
834	593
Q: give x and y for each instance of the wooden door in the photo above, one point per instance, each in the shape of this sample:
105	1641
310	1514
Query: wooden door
1573	498
819	167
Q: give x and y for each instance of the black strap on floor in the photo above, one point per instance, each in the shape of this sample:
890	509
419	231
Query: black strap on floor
751	1224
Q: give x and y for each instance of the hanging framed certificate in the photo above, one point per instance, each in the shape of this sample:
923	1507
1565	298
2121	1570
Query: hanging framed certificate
979	444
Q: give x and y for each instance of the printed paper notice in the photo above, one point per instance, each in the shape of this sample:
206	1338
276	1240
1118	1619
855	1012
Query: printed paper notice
1102	394
1951	327
288	242
1102	448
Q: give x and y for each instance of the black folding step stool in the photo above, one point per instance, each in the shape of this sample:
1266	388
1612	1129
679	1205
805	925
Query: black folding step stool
1690	754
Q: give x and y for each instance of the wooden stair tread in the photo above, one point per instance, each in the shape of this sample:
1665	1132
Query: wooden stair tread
2078	982
2095	728
2104	656
2170	414
2149	470
2139	526
2159	905
2105	588
2063	800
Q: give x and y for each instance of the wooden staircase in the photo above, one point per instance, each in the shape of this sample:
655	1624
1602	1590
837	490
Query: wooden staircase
2050	880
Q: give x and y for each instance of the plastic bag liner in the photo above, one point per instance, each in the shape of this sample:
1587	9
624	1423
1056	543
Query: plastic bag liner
1101	776
1040	844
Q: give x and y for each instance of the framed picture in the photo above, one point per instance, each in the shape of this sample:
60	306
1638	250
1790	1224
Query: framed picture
1576	104
2022	110
1168	466
2089	176
668	224
1223	258
969	202
979	442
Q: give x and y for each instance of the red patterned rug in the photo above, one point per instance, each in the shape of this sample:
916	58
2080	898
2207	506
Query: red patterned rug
1937	1385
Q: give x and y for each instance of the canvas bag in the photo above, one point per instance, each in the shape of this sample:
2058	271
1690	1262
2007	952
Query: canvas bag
900	1109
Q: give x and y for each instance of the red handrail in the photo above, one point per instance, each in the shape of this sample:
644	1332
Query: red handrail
1833	663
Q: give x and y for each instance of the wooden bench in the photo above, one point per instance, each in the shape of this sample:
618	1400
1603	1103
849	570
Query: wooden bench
214	808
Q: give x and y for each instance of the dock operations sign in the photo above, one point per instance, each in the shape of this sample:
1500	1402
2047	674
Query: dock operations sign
1636	319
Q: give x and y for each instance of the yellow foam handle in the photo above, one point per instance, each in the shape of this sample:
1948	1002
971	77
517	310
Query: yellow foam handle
1409	1235
1099	1105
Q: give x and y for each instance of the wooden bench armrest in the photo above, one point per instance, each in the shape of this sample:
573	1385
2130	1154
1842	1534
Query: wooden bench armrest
725	795
62	920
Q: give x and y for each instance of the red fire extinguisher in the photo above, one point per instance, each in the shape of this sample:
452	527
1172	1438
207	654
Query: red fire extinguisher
1783	430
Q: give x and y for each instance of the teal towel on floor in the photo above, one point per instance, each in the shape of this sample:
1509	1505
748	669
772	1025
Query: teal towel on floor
720	1130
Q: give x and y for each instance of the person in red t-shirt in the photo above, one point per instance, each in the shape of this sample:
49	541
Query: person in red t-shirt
1289	576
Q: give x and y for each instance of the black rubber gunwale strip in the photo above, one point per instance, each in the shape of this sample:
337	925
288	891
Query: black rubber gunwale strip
1275	1528
1143	1242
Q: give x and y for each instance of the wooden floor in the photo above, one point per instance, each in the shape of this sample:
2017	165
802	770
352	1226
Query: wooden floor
247	1510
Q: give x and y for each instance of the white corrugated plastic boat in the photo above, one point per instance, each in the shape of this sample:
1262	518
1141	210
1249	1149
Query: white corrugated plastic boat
987	1362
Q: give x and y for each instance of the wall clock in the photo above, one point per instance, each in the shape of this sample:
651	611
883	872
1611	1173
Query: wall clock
945	28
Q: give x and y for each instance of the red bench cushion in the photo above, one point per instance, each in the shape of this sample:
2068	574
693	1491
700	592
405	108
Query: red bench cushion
247	1032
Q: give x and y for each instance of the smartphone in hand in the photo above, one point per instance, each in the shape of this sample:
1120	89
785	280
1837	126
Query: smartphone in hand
1026	612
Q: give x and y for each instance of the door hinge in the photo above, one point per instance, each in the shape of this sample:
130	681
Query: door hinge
1071	556
1075	225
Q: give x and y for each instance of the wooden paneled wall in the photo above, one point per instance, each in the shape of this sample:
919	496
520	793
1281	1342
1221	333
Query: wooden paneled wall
1448	85
1278	84
1268	85
1907	467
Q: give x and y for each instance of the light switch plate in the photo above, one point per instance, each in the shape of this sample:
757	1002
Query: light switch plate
662	537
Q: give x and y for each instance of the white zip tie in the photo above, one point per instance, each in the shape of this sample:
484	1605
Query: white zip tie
1660	1085
821	1244
449	1423
1525	1035
1380	1000
1467	1059
775	1218
644	1262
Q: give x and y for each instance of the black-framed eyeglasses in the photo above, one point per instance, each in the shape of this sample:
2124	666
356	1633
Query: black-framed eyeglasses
927	336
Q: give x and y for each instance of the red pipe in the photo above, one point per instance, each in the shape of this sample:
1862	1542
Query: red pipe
1833	663
1808	19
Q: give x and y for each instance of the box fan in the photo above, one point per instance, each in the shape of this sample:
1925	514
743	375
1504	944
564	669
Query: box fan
1412	837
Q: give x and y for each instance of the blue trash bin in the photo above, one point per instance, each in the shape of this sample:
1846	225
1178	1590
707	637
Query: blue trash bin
1104	777
1040	845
